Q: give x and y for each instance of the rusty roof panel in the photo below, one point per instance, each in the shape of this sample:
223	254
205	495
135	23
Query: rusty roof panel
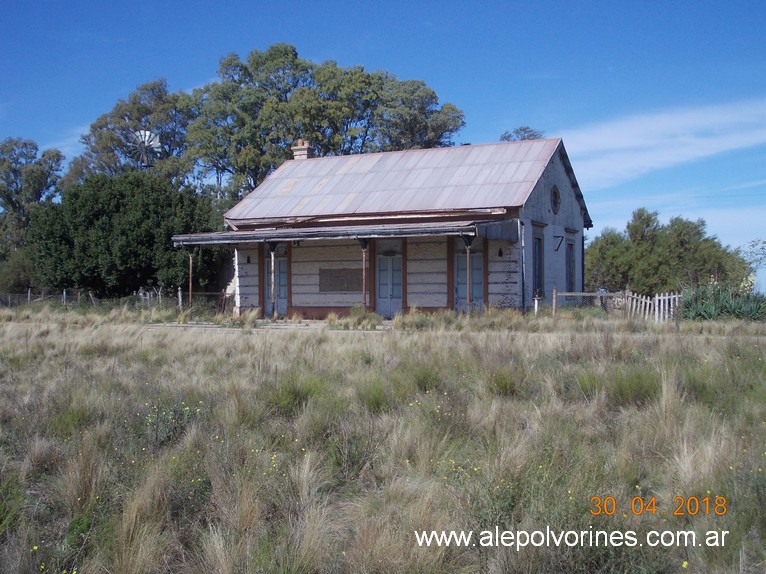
442	179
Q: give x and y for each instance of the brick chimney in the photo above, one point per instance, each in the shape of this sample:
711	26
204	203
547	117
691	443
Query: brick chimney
302	150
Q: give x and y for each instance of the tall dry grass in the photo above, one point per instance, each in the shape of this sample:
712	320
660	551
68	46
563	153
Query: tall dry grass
127	447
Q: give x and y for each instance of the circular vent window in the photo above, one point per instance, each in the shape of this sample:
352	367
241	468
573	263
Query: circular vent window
555	199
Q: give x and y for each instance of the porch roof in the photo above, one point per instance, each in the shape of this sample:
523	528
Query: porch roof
489	228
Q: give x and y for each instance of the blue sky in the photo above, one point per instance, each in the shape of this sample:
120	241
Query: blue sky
660	104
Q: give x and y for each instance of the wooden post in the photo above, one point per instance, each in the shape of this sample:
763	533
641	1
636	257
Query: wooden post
180	300
468	240
364	278
273	296
553	302
190	279
364	244
469	303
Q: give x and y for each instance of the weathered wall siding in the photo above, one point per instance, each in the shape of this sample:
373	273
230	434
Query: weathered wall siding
427	272
538	208
309	258
246	277
504	279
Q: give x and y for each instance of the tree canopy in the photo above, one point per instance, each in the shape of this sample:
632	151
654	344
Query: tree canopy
26	178
240	127
221	139
650	257
522	133
112	235
110	143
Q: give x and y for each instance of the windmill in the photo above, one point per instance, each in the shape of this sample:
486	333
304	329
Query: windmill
144	147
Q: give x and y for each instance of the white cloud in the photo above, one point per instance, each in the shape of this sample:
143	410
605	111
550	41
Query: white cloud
622	149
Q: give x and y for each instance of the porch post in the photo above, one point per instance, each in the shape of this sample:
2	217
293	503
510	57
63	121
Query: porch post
272	295
468	240
364	243
190	278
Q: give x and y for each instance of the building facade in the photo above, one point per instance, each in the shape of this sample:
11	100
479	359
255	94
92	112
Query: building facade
460	228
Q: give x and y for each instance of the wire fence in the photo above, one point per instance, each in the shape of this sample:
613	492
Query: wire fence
214	301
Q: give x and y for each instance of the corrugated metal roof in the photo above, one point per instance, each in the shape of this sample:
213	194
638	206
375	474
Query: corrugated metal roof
441	179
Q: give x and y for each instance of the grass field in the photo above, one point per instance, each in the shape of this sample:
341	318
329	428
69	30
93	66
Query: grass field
127	447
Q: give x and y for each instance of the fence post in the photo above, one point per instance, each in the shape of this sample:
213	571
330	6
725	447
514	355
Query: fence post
658	307
553	303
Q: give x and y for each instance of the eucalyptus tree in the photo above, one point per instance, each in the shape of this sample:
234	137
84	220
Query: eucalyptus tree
237	130
409	116
522	133
338	114
27	177
249	118
151	111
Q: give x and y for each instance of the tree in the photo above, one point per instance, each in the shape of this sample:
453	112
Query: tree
26	178
109	144
522	133
409	117
17	272
650	257
113	235
607	261
338	114
247	121
236	130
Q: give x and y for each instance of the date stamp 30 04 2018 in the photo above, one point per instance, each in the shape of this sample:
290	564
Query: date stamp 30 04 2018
682	506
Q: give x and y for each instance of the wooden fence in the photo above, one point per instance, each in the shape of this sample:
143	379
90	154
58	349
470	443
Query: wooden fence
662	307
